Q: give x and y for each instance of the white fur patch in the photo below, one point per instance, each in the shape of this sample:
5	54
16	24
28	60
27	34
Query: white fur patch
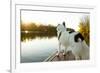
79	49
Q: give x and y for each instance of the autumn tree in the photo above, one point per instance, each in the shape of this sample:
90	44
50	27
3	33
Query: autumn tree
84	28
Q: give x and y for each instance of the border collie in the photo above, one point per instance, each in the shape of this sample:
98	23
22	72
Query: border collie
72	41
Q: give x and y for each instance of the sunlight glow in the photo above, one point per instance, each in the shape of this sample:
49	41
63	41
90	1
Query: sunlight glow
26	31
72	20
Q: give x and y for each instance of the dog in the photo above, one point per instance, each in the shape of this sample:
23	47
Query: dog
72	41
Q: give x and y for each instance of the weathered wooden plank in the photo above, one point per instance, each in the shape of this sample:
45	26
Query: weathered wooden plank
61	57
50	57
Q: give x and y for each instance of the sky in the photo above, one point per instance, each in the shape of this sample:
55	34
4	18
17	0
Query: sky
72	20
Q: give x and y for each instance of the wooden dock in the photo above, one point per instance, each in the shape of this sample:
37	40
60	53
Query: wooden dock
68	56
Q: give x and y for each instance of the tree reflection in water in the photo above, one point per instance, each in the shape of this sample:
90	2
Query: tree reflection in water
33	35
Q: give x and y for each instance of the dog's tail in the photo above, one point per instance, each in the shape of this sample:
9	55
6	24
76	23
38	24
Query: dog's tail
85	48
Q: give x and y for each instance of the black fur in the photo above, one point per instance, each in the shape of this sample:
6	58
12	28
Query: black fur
71	32
64	24
77	36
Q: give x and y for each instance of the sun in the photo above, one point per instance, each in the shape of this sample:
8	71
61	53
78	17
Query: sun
26	31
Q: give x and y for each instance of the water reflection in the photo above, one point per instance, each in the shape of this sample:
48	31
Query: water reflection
32	35
37	47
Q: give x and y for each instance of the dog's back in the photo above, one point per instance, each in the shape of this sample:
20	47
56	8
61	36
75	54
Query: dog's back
72	41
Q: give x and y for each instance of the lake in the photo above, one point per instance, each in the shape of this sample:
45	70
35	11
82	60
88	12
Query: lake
37	49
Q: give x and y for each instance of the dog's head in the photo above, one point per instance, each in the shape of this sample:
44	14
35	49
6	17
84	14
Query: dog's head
61	27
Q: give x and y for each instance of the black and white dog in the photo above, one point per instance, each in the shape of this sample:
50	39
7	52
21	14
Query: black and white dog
72	41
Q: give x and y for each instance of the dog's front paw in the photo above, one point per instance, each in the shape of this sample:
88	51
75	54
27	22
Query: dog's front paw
57	54
64	54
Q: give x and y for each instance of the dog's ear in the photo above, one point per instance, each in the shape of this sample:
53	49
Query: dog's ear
64	24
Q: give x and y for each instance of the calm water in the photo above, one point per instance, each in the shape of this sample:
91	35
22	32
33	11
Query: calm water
37	49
